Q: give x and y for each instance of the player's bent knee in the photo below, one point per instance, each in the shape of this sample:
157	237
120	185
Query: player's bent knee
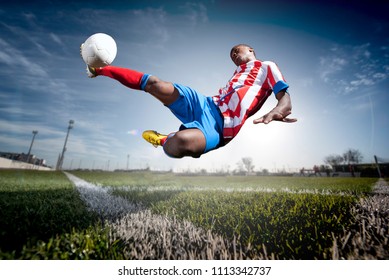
183	144
170	154
171	151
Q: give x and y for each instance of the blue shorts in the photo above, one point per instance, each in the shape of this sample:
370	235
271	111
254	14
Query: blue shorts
195	110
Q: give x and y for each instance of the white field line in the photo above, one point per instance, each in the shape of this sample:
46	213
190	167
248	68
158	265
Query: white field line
229	189
381	187
379	201
149	236
100	201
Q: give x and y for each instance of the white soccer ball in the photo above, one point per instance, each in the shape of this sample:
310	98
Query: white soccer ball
99	50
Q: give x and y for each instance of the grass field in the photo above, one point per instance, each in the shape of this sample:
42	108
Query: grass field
144	215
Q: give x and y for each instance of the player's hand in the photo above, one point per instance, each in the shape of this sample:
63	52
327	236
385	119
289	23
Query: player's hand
274	116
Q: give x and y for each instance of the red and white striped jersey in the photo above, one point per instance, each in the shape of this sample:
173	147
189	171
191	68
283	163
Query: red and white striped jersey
245	93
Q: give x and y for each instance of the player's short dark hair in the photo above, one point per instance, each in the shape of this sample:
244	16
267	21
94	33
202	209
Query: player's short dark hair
244	45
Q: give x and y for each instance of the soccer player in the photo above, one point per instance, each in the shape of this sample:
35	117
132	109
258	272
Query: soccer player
211	122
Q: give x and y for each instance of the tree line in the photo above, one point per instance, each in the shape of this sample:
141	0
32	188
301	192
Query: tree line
349	157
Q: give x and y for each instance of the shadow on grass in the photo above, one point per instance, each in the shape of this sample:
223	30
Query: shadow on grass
31	216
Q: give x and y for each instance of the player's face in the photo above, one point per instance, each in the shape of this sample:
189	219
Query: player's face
242	54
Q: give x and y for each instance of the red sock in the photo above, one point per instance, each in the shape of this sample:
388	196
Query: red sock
163	140
129	78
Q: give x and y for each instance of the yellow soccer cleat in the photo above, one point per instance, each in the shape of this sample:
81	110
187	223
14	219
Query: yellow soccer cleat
154	138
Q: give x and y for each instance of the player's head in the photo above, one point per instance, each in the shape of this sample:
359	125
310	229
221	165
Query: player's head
242	53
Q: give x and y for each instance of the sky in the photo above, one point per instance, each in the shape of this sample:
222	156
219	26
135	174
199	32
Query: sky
334	56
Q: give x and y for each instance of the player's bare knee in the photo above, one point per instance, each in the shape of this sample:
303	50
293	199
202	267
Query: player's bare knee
171	151
182	140
189	145
181	145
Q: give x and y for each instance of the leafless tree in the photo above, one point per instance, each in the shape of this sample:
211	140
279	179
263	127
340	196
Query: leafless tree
246	164
333	160
352	156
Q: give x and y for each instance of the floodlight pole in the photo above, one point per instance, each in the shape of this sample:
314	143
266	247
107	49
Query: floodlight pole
378	166
34	132
60	161
128	160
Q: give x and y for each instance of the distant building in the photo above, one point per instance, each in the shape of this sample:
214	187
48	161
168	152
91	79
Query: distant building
364	169
32	159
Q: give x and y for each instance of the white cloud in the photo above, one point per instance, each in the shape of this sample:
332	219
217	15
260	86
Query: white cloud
18	62
56	38
18	111
352	68
330	66
196	13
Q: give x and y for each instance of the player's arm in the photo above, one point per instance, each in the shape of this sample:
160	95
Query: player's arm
280	112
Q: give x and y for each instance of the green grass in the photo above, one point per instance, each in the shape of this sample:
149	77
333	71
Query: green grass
165	181
43	216
42	210
293	226
273	211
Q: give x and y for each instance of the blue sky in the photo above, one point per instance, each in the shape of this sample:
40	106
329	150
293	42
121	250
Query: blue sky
334	56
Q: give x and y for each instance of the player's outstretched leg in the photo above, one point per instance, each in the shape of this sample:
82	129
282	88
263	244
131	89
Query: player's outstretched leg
188	142
163	91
